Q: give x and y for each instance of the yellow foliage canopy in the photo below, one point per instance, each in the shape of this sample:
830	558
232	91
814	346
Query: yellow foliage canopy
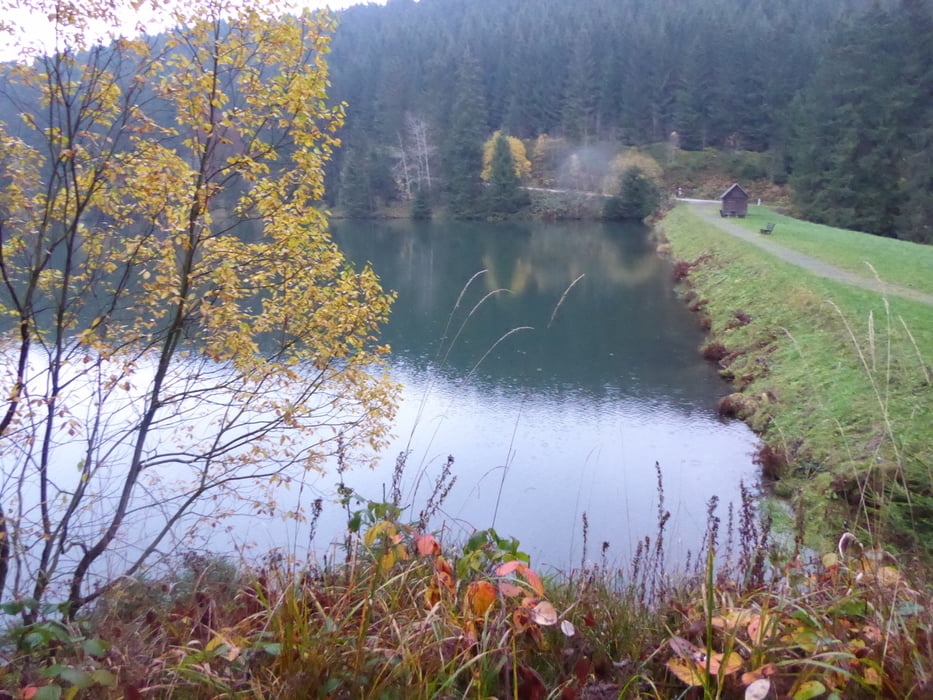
626	160
519	157
165	247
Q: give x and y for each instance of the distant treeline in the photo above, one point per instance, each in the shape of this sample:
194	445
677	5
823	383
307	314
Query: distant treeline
837	92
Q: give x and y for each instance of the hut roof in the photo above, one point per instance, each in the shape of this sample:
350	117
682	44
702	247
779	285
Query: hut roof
736	188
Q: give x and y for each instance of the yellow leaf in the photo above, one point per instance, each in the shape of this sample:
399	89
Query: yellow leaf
732	619
387	561
809	690
432	594
686	671
383	526
806	639
727	665
872	677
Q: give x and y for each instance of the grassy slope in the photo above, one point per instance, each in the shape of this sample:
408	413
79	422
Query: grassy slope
830	374
898	262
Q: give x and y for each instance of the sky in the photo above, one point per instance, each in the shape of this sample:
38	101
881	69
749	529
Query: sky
32	27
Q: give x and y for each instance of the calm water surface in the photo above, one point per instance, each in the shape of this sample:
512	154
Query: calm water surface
555	399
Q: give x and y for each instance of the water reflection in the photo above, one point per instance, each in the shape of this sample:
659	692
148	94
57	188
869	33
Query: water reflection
619	327
566	416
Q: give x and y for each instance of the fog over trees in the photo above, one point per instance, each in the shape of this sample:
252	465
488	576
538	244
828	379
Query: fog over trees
836	92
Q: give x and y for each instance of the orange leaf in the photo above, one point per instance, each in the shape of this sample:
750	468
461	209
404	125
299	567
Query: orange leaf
759	673
521	619
534	581
427	545
444	574
446	580
480	596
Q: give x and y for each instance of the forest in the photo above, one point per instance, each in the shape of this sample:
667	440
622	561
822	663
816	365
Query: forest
834	94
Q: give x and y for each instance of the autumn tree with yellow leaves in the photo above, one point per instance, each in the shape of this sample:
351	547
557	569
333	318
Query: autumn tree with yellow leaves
179	331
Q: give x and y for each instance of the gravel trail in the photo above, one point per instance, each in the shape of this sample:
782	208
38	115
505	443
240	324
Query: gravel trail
709	211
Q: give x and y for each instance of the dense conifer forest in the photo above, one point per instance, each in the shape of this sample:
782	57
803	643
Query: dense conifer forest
836	93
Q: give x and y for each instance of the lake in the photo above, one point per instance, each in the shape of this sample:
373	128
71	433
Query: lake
554	363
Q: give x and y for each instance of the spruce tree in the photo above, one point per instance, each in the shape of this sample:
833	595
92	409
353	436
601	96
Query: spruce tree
463	149
638	198
503	193
356	198
860	133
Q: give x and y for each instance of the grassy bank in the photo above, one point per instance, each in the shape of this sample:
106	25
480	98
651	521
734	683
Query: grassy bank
899	262
835	378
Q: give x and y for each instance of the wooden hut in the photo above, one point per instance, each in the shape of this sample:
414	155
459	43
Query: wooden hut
734	202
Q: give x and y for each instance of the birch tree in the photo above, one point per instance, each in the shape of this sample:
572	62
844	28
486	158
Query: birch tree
179	331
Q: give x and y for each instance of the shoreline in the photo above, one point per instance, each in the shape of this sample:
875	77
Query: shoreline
806	357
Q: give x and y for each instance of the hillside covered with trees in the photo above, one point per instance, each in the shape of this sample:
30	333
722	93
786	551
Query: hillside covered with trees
836	95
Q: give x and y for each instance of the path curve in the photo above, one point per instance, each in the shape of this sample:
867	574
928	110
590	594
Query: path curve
708	210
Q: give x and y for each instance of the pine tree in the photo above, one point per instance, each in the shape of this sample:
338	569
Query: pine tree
638	197
356	197
504	194
462	153
859	142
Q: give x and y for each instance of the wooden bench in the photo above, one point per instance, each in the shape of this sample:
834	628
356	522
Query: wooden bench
767	229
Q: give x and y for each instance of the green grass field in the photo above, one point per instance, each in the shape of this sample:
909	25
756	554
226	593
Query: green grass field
898	262
836	379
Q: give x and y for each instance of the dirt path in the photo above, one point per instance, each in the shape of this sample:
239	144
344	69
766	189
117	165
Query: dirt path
709	211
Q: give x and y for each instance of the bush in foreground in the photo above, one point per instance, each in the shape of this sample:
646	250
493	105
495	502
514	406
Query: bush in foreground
404	617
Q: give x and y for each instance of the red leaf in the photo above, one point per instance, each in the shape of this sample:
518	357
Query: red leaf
530	684
511	566
131	692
